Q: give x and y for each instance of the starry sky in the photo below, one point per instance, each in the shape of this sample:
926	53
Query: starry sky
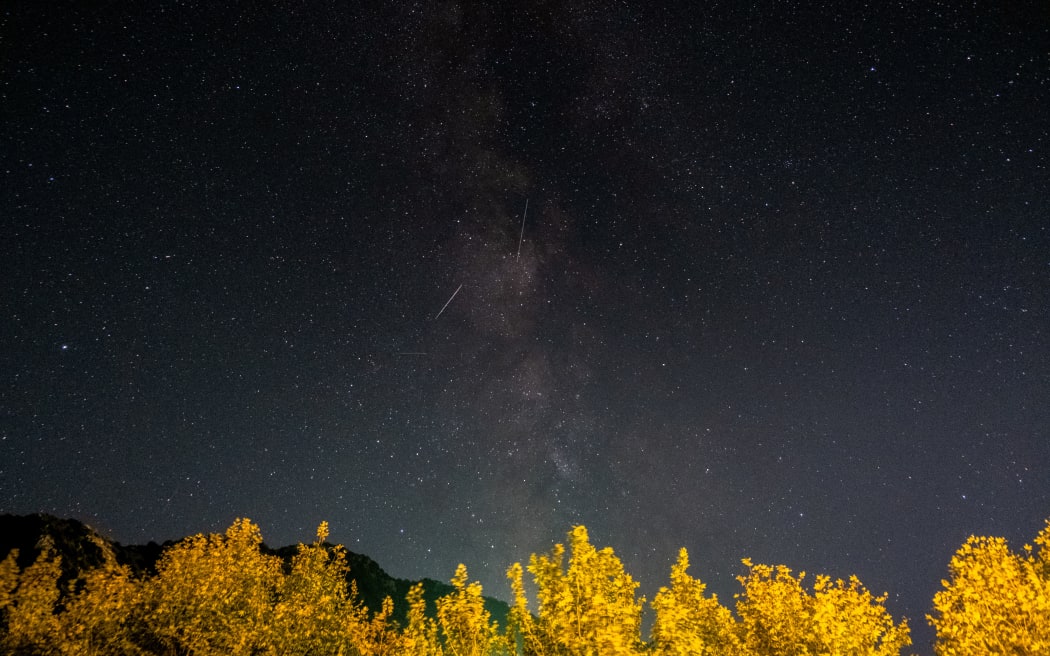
763	280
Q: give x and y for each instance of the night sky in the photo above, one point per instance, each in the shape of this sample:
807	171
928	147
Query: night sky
780	290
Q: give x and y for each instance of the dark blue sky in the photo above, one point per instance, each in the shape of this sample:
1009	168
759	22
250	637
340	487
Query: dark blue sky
780	292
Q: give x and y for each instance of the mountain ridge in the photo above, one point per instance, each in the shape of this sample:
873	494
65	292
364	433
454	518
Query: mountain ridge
79	546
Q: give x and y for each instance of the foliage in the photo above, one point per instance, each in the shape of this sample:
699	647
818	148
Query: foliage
523	627
224	594
214	594
466	627
848	619
379	635
29	620
314	610
8	587
586	609
778	616
105	612
997	601
688	623
420	635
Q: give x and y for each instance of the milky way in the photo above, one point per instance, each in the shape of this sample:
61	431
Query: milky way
779	291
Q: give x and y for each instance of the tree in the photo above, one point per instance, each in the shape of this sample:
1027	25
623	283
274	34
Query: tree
848	619
103	613
377	635
221	594
466	627
419	637
997	601
214	594
8	584
586	609
29	613
687	622
523	629
779	617
773	610
315	612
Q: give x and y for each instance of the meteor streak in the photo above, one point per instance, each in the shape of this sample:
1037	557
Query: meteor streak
447	302
522	235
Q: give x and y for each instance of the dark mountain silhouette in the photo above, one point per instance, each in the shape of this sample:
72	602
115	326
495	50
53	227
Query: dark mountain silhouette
81	548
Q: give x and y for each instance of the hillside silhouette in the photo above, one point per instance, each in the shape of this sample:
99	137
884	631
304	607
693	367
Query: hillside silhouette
78	545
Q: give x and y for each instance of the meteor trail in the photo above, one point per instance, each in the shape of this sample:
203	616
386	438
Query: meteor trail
522	235
447	302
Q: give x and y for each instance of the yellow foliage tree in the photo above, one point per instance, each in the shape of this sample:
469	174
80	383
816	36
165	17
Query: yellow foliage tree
315	612
104	611
214	594
466	626
779	617
687	622
419	637
523	629
773	610
29	616
848	619
220	594
586	609
8	584
997	601
375	636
